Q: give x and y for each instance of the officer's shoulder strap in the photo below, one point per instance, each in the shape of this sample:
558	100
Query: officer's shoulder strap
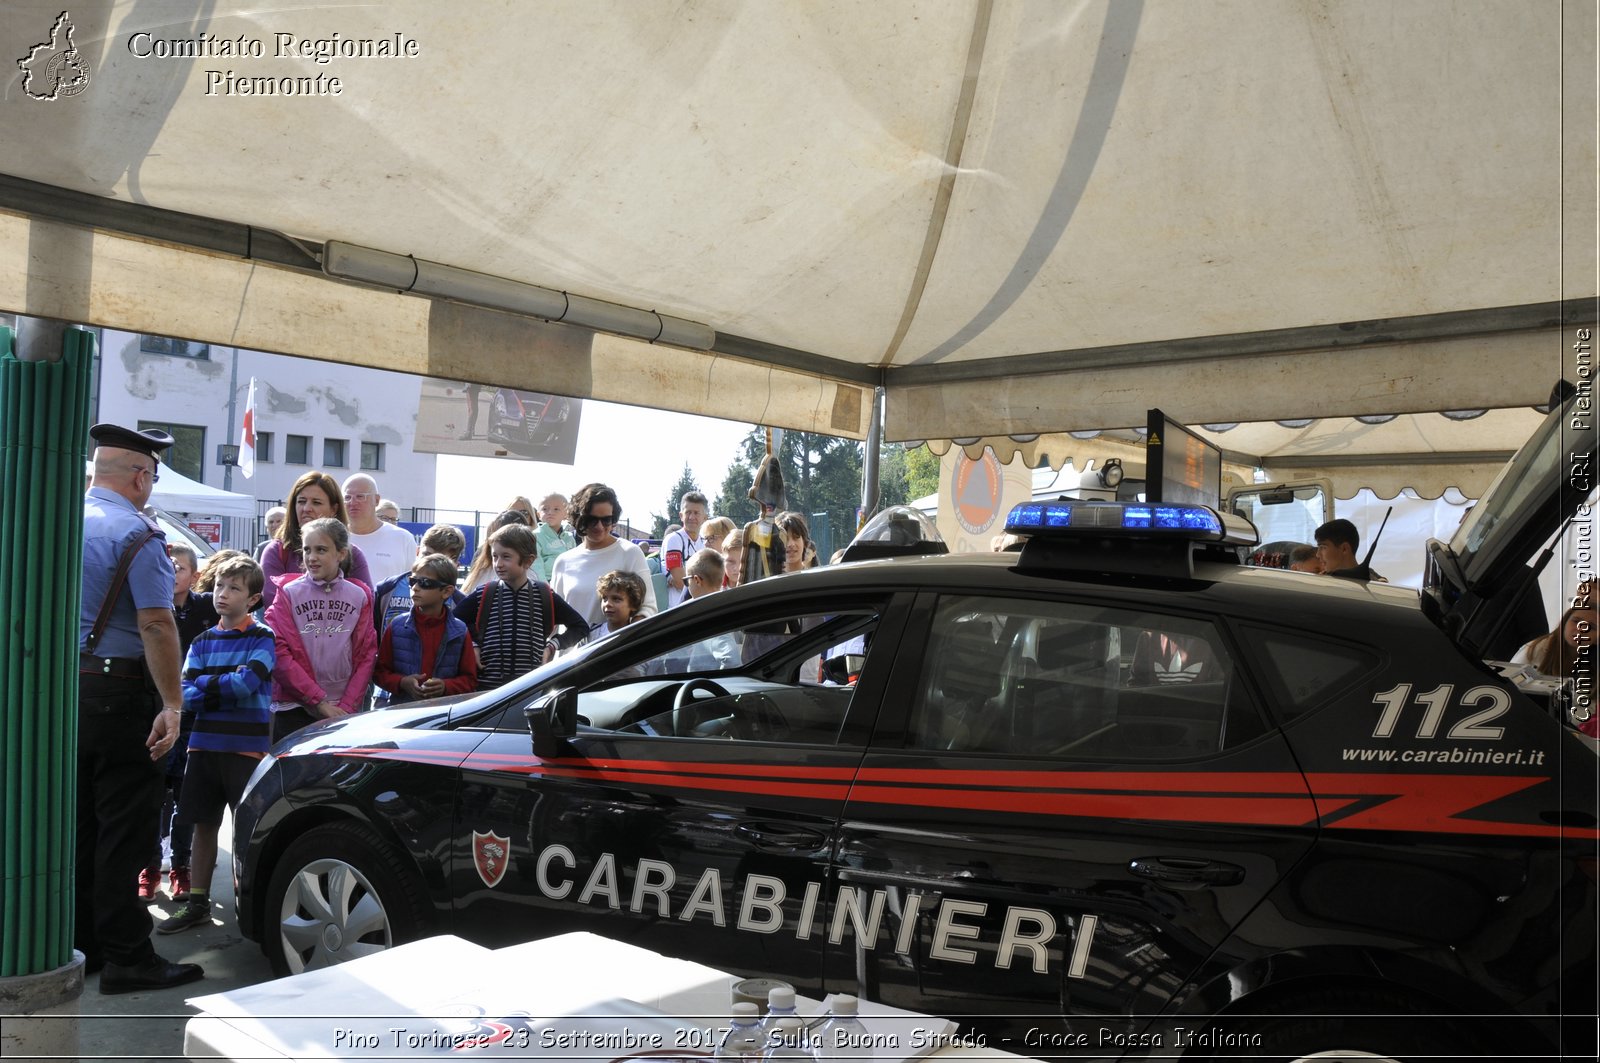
152	531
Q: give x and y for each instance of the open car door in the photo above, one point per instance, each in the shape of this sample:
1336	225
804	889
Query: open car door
1482	586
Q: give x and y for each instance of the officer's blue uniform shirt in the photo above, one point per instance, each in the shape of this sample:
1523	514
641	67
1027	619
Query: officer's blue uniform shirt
110	524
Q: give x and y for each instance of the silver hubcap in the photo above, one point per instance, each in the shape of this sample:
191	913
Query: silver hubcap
331	914
1342	1054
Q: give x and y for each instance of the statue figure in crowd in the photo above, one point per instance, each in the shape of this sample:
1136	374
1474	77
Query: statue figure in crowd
764	553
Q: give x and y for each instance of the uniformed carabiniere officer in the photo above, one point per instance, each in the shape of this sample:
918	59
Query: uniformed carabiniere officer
129	699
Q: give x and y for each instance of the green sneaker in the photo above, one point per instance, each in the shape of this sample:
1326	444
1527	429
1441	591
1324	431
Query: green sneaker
190	914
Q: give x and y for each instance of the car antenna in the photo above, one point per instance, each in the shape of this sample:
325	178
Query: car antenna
1365	568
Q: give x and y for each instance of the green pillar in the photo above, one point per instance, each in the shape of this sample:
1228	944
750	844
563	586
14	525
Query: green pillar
44	410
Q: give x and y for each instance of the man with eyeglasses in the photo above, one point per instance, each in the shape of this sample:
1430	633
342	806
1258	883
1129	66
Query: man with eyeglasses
129	699
595	512
389	548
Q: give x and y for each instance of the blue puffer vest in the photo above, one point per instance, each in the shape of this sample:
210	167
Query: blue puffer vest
406	645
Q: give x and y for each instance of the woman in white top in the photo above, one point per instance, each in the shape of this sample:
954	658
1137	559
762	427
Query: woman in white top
595	512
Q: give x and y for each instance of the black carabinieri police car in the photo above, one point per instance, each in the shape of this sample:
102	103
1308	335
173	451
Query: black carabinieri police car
1113	794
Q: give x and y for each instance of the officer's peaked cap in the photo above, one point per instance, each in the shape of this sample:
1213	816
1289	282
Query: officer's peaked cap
150	441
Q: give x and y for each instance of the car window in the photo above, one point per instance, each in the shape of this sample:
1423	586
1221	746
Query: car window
1041	678
1301	672
786	677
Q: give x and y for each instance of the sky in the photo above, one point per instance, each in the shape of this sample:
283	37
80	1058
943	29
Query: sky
639	452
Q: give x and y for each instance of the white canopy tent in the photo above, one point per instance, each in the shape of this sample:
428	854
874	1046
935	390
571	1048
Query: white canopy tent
176	492
1427	453
1015	217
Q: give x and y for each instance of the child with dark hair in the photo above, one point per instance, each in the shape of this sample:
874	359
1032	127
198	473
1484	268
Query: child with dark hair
481	570
621	594
513	620
227	691
427	653
394	594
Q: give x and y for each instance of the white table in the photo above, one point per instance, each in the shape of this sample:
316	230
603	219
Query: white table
421	999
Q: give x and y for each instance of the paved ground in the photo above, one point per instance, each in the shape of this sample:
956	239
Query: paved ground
149	1026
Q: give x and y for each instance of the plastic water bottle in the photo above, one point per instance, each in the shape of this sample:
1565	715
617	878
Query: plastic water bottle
780	1005
743	1042
787	1043
843	1035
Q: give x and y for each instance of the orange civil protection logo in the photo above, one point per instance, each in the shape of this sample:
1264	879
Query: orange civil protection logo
975	491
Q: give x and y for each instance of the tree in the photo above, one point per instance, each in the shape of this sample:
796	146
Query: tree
734	501
922	472
674	515
892	486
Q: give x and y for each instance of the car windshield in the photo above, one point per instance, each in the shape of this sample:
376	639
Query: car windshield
178	532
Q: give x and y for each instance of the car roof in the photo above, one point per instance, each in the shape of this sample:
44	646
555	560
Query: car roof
1237	589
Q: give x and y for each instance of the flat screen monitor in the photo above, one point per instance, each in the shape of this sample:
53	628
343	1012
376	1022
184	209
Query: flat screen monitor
1180	466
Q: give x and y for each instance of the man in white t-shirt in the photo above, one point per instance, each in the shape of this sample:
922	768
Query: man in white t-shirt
679	546
389	548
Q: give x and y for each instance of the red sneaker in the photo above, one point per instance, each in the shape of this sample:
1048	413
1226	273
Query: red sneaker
178	883
149	883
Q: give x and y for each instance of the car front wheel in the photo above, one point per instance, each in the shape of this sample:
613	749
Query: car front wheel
335	896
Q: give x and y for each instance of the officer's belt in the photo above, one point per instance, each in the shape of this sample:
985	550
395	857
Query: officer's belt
122	667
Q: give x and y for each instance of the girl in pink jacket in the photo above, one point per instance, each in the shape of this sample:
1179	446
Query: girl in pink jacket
326	642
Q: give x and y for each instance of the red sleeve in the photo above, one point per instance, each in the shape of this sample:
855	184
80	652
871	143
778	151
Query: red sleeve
465	681
363	655
384	674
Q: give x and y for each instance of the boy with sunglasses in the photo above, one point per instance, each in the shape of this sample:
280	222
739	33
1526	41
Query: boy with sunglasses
427	653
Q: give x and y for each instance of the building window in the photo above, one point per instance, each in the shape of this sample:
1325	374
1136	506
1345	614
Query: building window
263	446
175	348
187	453
372	457
333	453
297	450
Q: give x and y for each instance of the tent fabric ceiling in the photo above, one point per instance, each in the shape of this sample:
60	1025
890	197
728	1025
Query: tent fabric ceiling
1425	453
970	203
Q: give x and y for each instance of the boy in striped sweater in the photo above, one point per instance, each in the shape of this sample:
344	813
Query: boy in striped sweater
227	688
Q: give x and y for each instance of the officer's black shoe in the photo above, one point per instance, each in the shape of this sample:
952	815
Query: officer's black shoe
154	973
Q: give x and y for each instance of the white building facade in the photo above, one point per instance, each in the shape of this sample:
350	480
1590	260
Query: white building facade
339	419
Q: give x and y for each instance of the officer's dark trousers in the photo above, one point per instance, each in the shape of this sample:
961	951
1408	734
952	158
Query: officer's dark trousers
119	798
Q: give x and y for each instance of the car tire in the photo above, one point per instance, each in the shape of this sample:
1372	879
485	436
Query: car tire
336	895
1354	1024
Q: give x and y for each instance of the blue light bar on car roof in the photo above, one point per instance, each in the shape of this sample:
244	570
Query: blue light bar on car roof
1115	519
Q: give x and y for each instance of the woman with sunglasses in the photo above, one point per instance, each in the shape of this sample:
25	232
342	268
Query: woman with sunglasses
595	511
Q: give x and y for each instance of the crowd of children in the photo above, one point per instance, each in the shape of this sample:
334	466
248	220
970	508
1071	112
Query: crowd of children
326	641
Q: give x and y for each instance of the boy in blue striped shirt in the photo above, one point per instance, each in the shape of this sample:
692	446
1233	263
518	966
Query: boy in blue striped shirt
227	688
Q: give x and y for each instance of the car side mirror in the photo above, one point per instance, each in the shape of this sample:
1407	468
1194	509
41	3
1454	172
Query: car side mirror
843	669
552	720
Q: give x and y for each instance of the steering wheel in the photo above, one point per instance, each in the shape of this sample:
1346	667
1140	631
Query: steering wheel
685	697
